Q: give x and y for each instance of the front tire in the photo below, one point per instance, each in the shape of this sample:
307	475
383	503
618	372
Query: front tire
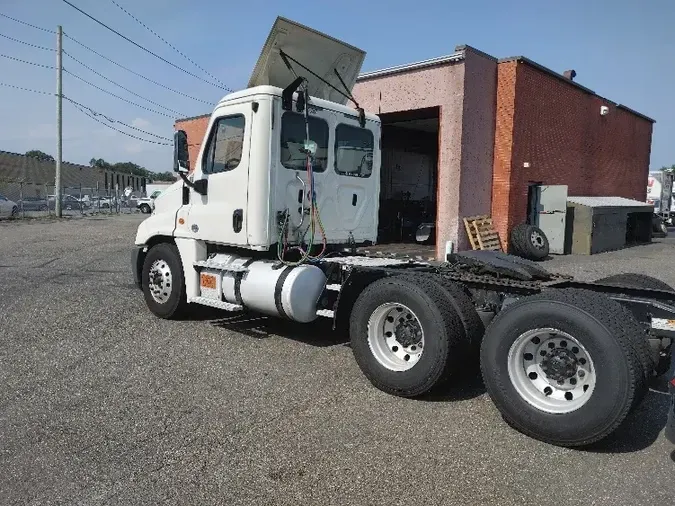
145	208
560	366
163	281
404	337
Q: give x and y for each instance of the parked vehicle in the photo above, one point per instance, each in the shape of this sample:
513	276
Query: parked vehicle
8	208
147	204
269	221
29	204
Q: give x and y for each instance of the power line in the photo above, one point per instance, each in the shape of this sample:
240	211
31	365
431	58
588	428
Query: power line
27	24
77	106
136	73
143	48
113	120
118	84
116	96
26	89
28	62
168	43
27	43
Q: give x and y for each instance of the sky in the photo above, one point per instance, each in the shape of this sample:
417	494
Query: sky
623	50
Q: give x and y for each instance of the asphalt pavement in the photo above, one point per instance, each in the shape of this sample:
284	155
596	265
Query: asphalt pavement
102	403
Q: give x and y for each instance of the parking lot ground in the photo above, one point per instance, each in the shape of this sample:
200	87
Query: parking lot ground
102	403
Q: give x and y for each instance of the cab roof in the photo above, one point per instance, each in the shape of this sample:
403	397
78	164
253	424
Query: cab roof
276	92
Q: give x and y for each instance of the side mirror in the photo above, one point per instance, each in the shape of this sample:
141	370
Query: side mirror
181	157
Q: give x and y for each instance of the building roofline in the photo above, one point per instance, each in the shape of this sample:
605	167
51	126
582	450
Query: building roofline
561	77
432	62
190	118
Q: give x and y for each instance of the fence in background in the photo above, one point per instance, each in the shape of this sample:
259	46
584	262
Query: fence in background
35	200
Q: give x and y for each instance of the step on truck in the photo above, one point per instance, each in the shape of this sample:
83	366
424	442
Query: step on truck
285	189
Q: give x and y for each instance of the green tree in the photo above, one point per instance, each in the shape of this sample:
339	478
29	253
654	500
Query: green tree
40	155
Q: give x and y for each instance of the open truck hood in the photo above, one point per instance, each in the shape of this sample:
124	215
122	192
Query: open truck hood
316	51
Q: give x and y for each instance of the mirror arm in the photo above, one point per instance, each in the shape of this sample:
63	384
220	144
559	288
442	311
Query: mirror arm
200	186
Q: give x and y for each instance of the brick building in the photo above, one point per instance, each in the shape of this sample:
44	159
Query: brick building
466	134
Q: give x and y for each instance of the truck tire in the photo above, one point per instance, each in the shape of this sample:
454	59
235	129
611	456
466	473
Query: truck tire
586	341
463	306
635	280
529	242
163	281
145	208
428	347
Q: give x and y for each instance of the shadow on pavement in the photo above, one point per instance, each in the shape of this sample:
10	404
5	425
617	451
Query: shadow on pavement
642	427
319	333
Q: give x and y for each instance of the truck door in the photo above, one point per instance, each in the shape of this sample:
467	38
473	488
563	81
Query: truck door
220	215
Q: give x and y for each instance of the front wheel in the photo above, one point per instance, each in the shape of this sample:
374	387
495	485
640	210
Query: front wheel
163	281
561	366
15	211
145	208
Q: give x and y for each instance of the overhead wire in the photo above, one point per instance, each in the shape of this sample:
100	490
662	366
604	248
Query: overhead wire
27	43
27	24
28	62
138	74
134	72
95	118
117	96
27	89
118	84
113	120
167	43
143	48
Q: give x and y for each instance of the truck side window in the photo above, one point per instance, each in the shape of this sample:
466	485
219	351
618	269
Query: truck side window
225	145
353	151
293	139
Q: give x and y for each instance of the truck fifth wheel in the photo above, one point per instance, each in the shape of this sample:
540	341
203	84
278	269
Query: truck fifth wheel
269	221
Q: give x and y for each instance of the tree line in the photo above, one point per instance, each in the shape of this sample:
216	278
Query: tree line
121	167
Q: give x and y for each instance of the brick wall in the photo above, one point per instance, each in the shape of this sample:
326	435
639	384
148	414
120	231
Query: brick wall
557	128
195	128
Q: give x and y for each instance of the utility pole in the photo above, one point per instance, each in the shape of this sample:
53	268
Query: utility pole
59	118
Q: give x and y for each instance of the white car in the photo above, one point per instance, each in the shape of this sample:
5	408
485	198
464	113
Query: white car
8	208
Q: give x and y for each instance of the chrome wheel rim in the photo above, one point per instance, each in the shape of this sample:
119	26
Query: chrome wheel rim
551	370
536	239
160	281
395	337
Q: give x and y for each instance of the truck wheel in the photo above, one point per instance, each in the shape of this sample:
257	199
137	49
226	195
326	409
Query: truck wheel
145	208
529	242
163	281
635	280
405	337
560	365
463	306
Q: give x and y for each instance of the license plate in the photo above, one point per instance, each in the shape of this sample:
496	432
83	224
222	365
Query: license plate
208	281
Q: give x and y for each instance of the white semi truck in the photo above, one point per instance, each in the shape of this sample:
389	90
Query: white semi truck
284	190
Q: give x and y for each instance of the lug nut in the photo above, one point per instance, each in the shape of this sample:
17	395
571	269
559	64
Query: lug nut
582	374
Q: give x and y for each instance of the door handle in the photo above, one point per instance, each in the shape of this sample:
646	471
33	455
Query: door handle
237	220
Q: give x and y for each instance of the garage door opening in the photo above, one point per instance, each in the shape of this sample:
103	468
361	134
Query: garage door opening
407	218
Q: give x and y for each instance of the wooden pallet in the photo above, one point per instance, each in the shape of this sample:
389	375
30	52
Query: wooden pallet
482	233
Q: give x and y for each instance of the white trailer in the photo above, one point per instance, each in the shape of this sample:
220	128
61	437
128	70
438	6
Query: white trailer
285	187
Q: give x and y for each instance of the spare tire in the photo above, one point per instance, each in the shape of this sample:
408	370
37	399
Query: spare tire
529	241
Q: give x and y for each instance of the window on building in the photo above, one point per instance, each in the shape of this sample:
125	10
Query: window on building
225	145
353	151
293	136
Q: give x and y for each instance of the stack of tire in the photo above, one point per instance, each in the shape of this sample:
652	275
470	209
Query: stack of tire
528	241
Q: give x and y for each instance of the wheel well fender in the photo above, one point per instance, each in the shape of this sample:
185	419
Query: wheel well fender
143	251
357	281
